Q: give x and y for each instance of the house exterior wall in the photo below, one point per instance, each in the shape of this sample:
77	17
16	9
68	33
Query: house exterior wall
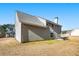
75	32
32	33
56	28
18	29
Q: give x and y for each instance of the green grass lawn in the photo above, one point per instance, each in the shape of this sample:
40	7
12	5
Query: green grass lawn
54	41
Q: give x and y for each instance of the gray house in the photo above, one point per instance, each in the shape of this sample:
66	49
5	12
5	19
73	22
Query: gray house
72	33
31	28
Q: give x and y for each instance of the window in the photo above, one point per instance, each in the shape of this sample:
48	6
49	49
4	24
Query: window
47	24
51	35
52	25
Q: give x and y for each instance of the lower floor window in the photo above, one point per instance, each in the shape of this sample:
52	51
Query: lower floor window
51	35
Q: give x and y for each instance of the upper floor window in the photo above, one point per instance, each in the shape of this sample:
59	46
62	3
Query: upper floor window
52	25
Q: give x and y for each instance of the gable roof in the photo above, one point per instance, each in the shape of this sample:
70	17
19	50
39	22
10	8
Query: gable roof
33	20
49	21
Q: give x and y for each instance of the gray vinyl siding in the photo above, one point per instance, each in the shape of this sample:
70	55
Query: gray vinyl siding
32	33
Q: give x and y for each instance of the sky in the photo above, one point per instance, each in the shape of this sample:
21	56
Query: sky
68	13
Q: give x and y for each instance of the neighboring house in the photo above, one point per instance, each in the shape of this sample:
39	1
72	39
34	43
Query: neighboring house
31	28
73	32
10	31
66	33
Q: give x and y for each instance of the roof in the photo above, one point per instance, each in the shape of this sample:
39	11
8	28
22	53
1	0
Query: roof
49	21
33	20
66	31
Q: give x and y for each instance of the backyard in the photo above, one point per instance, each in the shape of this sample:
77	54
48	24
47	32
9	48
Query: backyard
9	46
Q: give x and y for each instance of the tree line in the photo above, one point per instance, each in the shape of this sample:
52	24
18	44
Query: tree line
3	29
